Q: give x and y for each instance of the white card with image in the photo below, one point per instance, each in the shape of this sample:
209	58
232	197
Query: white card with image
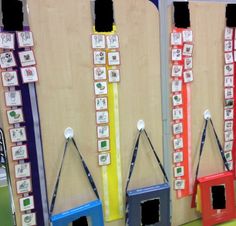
229	135
104	159
103	131
25	39
228	114
178	143
179	171
101	103
188	76
229	81
13	98
179	184
176	86
176	54
229	125
229	103
98	42
28	219
177	113
7	60
9	78
114	75
100	88
100	73
177	100
15	116
177	70
23	186
99	57
187	50
27	58
19	152
188	63
102	117
230	165
27	203
229	58
7	40
112	41
228	146
22	170
177	128
113	58
229	69
104	145
229	93
187	35
228	45
228	156
178	157
176	38
18	134
29	74
228	33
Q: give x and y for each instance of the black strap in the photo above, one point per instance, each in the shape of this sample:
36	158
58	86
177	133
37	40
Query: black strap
90	178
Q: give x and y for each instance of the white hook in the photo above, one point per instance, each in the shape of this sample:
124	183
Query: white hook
207	114
140	125
69	133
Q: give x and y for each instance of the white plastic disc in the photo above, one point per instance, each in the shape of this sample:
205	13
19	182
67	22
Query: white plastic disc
140	125
207	114
69	133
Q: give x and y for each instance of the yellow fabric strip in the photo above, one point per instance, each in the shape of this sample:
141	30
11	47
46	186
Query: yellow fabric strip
198	201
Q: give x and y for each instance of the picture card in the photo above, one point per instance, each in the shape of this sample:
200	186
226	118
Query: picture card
13	98
187	50
229	33
178	157
177	99
7	60
177	70
178	143
177	128
99	57
22	170
103	131
104	159
15	116
176	54
228	146
9	78
29	74
18	134
112	41
187	35
27	203
229	135
101	103
229	103
100	73
23	186
228	45
100	88
114	75
230	165
98	42
177	113
228	156
104	145
229	58
229	125
7	40
19	152
176	38
179	184
229	69
229	93
28	219
228	114
176	86
113	58
179	171
25	39
188	76
188	63
27	58
102	117
229	81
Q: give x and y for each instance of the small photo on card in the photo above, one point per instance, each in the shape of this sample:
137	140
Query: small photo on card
27	58
228	33
15	116
177	128
177	70
114	75
179	184
177	113
228	156
112	41
100	73
176	86
228	114
178	143
187	35
188	76
188	50
27	203
176	54
29	74
104	145
188	63
229	93
229	125
229	69
179	171
102	117
229	103
104	159
7	40
113	58
99	57
98	42
23	186
177	99
178	157
176	38
103	131
7	60
228	146
229	59
101	103
9	78
25	39
229	81
230	165
19	152
228	46
18	134
100	88
13	98
229	135
28	219
22	170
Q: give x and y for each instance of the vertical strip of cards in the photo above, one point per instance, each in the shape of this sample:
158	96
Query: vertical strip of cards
181	77
18	67
229	96
106	75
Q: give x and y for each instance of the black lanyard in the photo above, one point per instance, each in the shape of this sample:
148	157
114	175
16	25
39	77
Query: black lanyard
132	164
90	178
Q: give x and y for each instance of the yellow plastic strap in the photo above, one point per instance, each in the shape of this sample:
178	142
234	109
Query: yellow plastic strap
198	200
